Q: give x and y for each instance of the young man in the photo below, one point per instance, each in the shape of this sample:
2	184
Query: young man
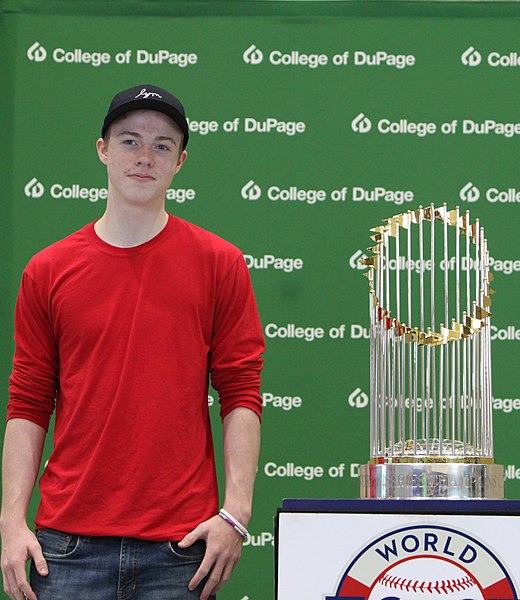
118	327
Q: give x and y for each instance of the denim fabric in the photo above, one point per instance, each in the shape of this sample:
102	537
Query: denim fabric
108	568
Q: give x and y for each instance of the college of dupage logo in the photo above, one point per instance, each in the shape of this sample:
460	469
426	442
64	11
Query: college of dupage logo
425	562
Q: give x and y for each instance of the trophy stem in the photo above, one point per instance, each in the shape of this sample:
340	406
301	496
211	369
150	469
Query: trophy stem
438	481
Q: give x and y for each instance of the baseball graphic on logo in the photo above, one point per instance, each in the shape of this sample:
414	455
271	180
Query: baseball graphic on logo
425	562
424	578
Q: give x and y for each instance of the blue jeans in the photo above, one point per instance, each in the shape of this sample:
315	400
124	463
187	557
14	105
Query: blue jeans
109	568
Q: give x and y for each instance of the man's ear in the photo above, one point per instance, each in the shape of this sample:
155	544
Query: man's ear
101	147
183	156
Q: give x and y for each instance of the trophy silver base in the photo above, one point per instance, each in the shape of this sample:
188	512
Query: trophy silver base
452	481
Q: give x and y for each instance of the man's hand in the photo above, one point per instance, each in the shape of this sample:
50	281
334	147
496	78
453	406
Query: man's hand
241	437
223	549
19	544
23	445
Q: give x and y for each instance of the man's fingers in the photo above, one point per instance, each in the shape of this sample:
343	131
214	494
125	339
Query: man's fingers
187	540
39	561
219	574
211	585
26	590
223	548
201	572
10	585
20	545
192	537
226	575
18	587
23	585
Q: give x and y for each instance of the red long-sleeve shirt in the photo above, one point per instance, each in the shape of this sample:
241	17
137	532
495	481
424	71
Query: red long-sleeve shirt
124	339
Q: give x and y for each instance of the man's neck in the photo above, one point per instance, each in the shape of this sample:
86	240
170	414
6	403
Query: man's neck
130	227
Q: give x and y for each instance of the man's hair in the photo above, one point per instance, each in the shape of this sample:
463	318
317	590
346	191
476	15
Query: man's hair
108	132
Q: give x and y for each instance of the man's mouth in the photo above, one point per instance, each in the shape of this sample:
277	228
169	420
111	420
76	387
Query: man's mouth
141	177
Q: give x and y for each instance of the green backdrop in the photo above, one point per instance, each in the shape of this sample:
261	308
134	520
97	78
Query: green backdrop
311	122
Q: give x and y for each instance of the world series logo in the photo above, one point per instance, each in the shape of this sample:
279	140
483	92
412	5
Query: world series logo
426	562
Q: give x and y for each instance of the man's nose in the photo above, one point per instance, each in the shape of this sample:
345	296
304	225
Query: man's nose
145	156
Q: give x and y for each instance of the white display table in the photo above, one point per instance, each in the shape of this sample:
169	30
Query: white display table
398	550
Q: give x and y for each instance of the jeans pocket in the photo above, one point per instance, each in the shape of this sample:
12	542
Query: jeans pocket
193	553
57	544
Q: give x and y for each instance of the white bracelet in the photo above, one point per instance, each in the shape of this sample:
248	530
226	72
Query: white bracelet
237	526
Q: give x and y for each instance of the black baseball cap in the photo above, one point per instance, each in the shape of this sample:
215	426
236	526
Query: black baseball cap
148	97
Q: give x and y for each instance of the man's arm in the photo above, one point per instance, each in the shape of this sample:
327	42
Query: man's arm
241	438
23	446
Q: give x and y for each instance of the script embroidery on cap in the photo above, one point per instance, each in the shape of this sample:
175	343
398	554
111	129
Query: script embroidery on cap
144	94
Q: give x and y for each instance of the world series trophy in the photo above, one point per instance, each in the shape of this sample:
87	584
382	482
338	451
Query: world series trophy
431	433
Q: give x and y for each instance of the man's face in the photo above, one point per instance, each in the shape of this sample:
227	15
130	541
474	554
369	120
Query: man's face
142	154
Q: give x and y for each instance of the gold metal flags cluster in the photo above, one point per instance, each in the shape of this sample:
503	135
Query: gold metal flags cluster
471	323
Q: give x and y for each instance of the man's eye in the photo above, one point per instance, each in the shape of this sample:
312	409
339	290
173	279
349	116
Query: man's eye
129	142
163	147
